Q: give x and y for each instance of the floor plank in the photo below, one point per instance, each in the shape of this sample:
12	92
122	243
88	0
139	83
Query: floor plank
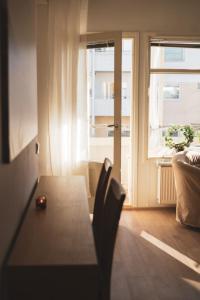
141	270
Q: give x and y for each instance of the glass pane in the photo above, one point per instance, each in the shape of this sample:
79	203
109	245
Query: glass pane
101	99
175	58
127	48
174	100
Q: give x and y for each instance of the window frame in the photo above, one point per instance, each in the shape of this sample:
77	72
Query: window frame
158	71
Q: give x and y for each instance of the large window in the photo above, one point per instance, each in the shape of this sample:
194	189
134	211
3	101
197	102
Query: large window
174	96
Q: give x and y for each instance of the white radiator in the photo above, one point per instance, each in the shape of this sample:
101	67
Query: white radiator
166	185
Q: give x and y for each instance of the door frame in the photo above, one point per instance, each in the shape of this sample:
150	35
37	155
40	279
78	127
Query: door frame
117	37
134	118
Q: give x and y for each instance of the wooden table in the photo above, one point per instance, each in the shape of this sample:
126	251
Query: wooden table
54	255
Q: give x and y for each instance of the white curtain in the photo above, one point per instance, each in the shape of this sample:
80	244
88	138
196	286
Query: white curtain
67	88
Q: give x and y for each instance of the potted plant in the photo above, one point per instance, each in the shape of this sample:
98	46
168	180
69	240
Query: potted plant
186	131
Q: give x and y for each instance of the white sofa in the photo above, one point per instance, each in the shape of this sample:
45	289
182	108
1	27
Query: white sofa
186	167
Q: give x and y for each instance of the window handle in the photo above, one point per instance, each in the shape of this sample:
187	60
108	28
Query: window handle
113	125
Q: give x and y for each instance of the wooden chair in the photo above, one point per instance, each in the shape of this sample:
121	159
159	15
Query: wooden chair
111	216
99	200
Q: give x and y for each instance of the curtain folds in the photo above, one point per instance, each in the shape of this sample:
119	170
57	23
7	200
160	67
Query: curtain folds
67	88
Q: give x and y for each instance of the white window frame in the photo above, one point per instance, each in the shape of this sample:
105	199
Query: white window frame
150	71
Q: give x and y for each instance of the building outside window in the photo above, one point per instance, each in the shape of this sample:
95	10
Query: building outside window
171	91
108	90
173	54
124	90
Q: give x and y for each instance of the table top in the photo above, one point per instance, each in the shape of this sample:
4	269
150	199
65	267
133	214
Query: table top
61	234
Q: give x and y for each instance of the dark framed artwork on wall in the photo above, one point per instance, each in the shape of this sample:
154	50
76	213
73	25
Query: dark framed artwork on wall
18	76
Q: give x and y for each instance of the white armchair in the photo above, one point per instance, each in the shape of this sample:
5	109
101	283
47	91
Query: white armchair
186	167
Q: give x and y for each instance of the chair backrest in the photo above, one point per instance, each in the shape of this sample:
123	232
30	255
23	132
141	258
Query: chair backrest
111	216
100	197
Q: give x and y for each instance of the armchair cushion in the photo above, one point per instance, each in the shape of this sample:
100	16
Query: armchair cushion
187	181
194	158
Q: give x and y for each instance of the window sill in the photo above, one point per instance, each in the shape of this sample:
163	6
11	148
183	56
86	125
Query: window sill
167	156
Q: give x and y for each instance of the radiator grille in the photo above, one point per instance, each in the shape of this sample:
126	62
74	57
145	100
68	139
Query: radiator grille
166	185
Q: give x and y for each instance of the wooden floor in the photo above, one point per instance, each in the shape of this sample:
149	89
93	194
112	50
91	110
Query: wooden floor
141	270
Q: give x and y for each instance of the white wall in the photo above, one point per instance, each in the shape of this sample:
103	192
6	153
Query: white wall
22	75
167	17
42	63
17	180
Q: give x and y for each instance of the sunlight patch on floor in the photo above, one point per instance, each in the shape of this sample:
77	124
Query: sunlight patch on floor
193	283
190	263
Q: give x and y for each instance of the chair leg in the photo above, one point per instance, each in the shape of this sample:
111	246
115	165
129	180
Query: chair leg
106	290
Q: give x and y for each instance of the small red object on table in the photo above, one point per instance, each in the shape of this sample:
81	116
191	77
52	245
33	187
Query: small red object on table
41	202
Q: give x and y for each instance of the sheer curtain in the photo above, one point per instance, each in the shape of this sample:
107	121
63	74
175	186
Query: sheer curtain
67	88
